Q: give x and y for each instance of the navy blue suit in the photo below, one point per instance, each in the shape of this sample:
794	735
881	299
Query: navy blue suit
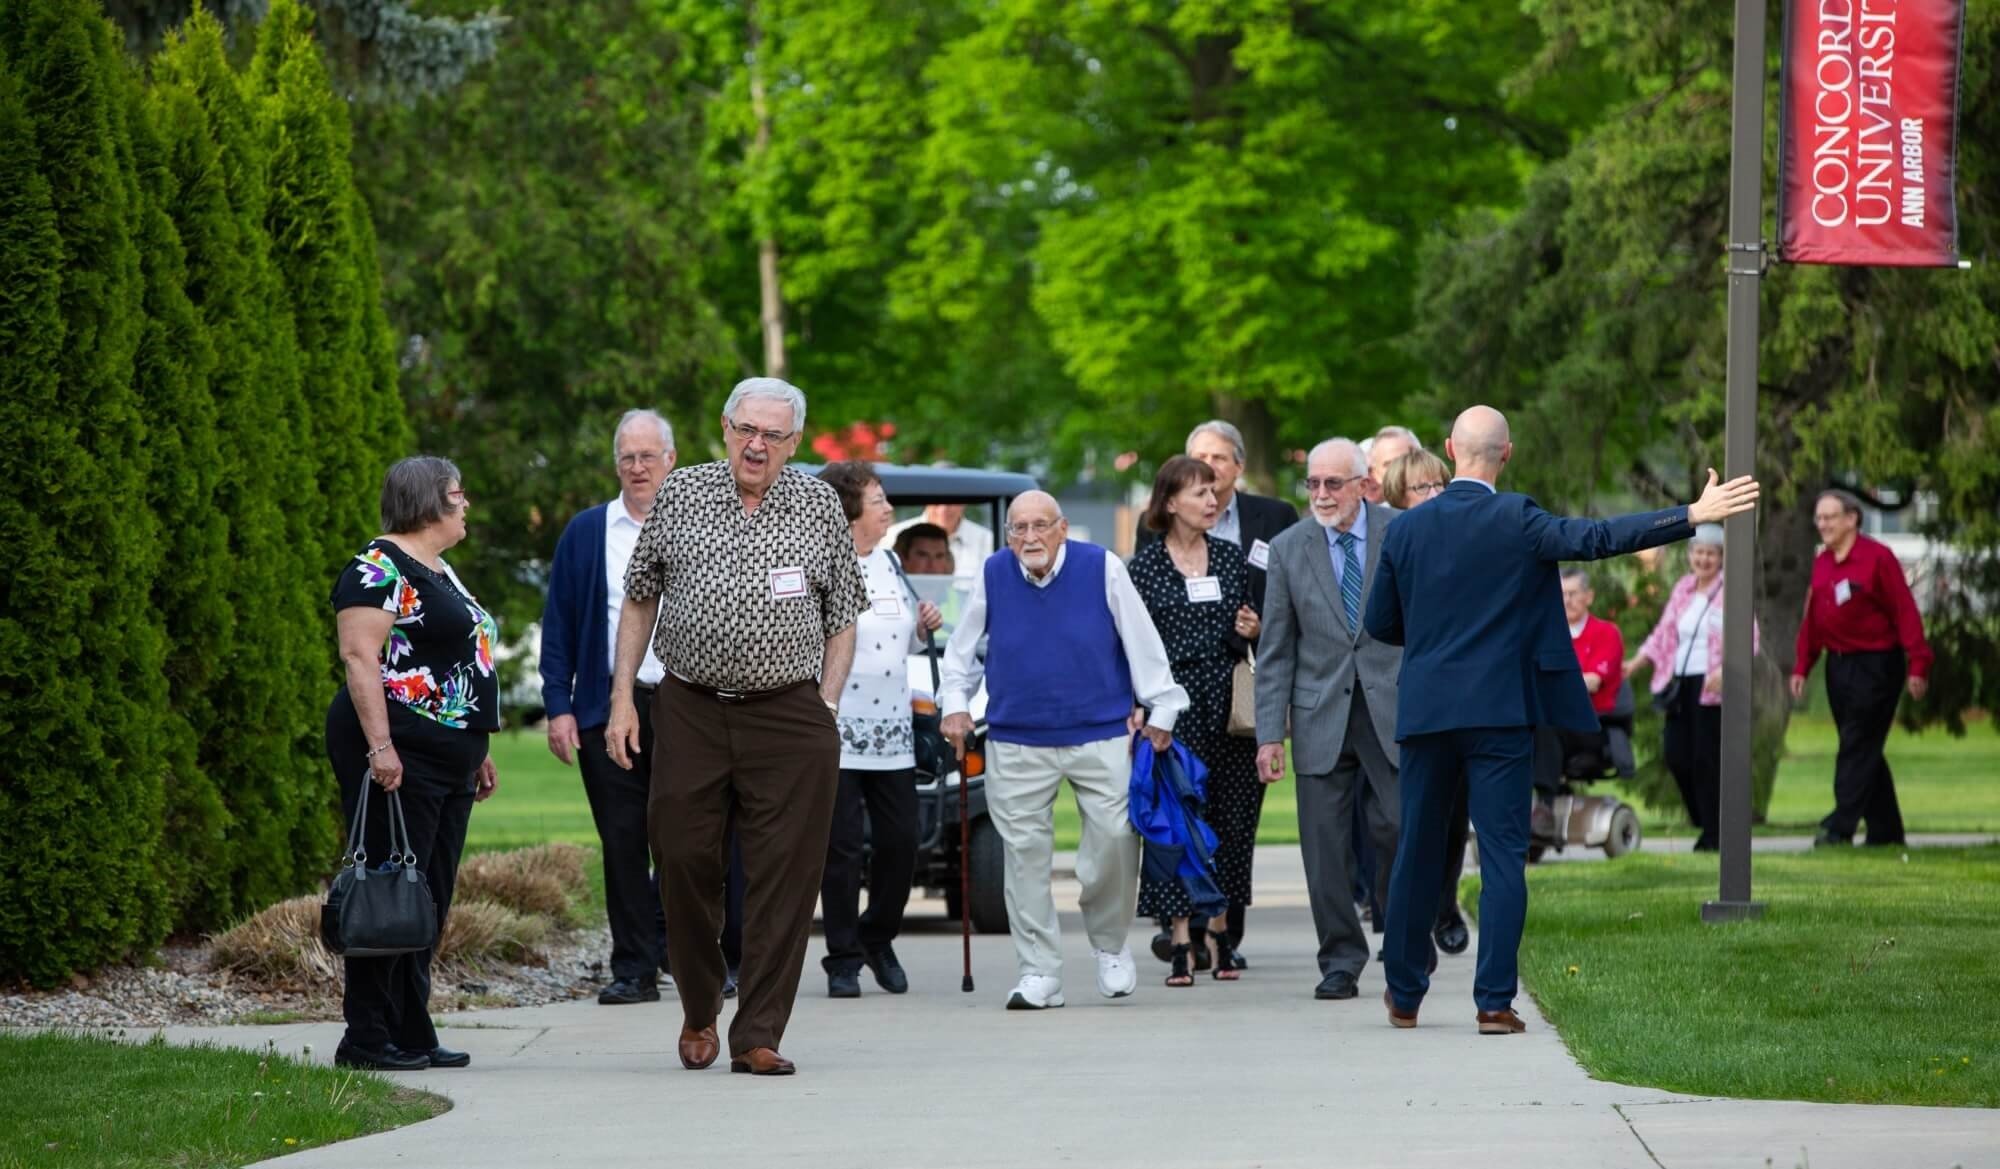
1468	584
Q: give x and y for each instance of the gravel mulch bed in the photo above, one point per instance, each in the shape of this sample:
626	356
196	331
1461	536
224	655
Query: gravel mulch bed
180	988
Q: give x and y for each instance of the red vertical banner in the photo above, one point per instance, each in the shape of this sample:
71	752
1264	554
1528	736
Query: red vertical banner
1868	132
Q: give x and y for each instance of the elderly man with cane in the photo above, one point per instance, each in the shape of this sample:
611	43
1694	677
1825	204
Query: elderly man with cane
1074	666
753	571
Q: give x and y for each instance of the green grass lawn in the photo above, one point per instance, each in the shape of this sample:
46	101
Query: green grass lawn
1870	978
76	1102
1946	785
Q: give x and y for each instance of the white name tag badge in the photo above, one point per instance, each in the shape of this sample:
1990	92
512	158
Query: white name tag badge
887	605
1260	554
787	583
1843	592
1204	588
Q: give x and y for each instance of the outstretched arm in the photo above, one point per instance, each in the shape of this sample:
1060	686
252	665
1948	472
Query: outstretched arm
1559	538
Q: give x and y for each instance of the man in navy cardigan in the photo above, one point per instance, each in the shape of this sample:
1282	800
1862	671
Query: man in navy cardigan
1468	586
579	627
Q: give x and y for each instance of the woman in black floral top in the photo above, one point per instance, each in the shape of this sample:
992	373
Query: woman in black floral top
420	700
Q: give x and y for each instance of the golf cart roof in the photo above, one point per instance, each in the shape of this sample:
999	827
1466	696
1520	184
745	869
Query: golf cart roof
916	485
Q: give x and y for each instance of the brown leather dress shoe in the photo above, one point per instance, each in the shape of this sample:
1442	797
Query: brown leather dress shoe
699	1048
1501	1023
1398	1018
762	1061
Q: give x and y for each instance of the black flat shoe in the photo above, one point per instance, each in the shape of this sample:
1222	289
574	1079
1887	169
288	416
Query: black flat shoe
624	991
1338	985
1452	937
843	984
1827	839
445	1057
889	973
388	1059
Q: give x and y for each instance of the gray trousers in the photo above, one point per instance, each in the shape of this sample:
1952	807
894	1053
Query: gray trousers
1326	817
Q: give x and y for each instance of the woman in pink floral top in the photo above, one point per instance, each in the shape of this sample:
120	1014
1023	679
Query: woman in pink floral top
420	700
1685	652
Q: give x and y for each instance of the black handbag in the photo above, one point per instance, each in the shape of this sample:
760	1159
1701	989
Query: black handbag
384	911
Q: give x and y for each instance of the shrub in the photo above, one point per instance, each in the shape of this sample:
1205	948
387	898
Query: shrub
479	932
543	880
277	944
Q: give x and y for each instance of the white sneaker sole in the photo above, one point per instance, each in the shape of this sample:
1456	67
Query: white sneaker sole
1017	1001
1117	994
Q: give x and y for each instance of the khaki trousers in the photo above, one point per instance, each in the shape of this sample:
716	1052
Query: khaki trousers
1021	796
775	762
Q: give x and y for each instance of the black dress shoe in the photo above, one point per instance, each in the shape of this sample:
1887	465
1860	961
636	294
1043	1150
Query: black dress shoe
623	991
843	984
1338	985
729	984
1452	937
445	1057
387	1059
889	974
1827	839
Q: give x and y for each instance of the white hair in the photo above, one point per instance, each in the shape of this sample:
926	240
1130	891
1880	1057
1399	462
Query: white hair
653	416
1225	431
1338	446
1402	432
768	389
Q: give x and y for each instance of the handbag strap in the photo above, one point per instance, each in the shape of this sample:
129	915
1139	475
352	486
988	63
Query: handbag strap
357	853
1687	651
930	639
399	827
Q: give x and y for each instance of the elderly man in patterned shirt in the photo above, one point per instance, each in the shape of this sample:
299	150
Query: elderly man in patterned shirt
753	569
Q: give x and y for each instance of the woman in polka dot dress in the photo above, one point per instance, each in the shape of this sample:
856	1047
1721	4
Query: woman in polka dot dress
1197	589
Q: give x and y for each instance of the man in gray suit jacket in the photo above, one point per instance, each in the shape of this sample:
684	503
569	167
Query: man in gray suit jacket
1318	666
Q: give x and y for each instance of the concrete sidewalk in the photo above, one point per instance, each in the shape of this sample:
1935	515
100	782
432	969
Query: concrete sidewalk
1251	1074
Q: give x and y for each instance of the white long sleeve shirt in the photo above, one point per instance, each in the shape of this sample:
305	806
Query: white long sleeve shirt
1145	655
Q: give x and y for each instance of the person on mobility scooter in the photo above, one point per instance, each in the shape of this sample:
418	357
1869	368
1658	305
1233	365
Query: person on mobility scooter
1564	759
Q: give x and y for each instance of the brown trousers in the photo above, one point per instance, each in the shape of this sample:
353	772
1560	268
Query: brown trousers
775	762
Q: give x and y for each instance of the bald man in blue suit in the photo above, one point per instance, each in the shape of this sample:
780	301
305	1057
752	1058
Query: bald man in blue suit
1468	585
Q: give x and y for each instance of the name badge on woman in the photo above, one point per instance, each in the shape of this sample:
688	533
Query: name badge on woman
887	605
1203	588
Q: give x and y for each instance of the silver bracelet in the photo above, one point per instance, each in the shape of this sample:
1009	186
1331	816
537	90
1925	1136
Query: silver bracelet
374	751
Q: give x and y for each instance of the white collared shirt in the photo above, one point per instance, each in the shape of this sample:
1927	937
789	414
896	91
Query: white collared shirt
621	536
1469	479
1145	654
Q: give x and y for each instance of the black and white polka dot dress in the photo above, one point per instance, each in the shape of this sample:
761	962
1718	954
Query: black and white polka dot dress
1202	645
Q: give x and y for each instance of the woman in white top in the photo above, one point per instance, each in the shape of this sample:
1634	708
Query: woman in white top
877	754
1685	651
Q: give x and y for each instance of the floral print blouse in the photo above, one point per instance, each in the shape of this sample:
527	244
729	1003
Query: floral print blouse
438	659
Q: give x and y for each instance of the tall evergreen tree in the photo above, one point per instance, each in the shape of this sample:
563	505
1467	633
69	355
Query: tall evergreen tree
81	649
171	374
263	740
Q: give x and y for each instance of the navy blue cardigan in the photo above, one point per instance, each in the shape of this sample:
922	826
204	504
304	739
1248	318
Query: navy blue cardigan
576	655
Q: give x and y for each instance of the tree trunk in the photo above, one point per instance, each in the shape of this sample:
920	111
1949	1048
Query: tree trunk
772	302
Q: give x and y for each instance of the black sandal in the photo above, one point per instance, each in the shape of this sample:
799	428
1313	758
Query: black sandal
1180	976
1225	959
1198	941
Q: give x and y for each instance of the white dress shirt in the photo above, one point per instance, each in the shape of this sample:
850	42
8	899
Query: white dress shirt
1145	654
621	536
1469	479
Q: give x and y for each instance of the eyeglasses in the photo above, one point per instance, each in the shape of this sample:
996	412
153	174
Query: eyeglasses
641	458
1313	486
1032	527
456	498
770	437
1426	488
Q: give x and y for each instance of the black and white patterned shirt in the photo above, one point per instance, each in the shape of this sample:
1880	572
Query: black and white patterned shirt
749	599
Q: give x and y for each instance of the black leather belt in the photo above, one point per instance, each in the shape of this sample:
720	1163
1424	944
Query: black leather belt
733	697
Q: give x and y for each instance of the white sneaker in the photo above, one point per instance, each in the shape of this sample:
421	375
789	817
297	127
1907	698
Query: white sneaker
1035	992
1117	974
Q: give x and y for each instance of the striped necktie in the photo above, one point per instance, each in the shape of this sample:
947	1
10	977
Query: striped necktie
1350	580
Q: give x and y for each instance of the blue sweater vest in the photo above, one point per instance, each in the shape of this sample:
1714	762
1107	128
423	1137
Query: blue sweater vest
1055	667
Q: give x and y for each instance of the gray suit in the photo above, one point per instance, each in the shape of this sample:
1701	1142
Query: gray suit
1337	686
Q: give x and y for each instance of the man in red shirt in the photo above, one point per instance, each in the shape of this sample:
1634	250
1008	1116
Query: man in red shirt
1861	614
1600	654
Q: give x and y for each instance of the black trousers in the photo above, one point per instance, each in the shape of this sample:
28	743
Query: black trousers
617	798
1862	689
386	1001
890	801
1555	747
1693	752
